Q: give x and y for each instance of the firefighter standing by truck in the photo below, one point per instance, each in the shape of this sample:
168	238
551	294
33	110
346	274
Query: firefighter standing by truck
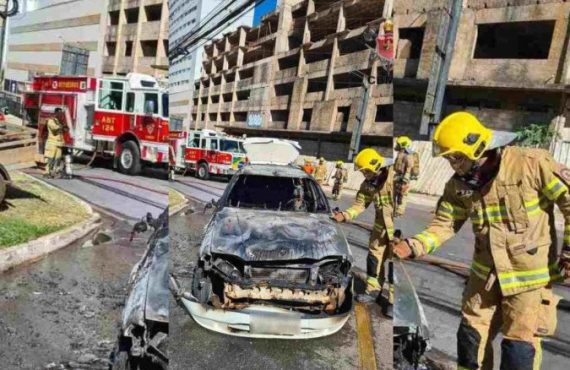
340	178
406	169
509	195
321	171
377	188
54	144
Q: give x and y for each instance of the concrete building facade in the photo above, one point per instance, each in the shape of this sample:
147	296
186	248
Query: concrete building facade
299	75
186	15
510	64
136	37
39	34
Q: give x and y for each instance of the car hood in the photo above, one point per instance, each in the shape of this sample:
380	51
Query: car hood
260	235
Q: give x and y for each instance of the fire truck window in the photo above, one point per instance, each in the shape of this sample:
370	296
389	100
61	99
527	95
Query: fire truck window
195	143
153	98
130	102
213	144
230	146
165	105
111	95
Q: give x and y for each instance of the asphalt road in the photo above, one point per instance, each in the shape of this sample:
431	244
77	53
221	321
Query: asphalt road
63	310
191	346
126	197
440	292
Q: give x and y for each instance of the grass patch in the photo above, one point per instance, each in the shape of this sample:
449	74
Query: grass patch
32	210
175	198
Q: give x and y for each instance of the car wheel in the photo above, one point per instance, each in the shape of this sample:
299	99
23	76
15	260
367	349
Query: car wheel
203	172
2	189
129	159
123	361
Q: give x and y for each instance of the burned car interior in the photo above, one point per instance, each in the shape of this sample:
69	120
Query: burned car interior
275	193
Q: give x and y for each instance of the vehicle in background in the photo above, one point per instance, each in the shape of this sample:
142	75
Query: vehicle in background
207	152
272	263
123	117
144	324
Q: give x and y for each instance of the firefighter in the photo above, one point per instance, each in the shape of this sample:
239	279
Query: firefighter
340	177
377	188
509	194
321	171
54	143
388	26
308	167
403	174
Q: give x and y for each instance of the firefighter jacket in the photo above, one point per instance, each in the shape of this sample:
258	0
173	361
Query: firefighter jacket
382	196
403	167
54	138
321	172
513	220
339	176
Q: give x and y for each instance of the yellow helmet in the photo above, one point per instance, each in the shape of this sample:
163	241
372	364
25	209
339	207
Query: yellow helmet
339	163
321	159
368	159
388	26
404	141
461	132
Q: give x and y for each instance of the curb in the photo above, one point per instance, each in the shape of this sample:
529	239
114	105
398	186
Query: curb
179	207
36	249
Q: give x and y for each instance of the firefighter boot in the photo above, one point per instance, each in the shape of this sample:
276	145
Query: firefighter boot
372	292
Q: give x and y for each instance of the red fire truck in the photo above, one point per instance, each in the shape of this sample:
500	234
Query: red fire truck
125	117
206	152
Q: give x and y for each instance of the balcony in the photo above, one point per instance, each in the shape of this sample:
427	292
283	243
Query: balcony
129	31
150	30
112	32
146	61
125	65
245	83
286	73
108	64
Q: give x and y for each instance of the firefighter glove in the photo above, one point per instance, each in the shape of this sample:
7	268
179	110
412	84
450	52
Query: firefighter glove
339	216
402	250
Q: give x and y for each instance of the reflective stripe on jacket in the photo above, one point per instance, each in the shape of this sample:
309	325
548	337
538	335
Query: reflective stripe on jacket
512	218
383	198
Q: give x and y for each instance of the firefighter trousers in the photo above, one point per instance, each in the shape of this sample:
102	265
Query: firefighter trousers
522	319
53	154
401	201
337	189
379	252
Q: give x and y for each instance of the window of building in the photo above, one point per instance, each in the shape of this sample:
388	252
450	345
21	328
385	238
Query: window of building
149	48
153	12
514	40
132	15
74	61
114	18
128	48
411	42
110	49
384	113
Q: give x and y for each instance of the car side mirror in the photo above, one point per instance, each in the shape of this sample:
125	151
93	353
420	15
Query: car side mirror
210	205
149	107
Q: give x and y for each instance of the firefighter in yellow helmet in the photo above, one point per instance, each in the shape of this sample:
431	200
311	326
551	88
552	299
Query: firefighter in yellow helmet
54	144
508	193
321	171
388	26
340	177
377	189
403	173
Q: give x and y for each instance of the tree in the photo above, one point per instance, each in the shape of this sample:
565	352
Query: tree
536	135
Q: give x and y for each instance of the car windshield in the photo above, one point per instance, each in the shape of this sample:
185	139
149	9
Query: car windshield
277	193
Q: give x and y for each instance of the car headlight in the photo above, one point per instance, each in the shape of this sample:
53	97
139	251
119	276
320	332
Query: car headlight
227	269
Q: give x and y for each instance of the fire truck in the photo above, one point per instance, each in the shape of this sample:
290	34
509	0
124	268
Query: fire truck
206	152
124	117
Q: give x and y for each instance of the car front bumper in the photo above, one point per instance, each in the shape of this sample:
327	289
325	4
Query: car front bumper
259	321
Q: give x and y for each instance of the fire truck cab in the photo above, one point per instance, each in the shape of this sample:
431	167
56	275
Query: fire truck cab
207	152
125	117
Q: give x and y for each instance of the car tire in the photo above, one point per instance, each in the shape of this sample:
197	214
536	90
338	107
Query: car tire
203	172
129	160
123	361
2	189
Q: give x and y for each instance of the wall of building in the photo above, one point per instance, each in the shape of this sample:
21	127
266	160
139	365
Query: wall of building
297	72
36	36
136	37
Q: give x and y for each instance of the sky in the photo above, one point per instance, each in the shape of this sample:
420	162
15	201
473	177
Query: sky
260	10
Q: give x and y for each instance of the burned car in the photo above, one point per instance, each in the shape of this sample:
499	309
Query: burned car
272	263
144	324
4	182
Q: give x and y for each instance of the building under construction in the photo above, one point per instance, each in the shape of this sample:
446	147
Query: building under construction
300	75
510	61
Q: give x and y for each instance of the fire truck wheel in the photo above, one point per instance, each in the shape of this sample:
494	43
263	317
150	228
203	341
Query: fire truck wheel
203	172
129	159
2	189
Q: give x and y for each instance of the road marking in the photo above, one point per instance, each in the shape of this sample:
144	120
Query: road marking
367	357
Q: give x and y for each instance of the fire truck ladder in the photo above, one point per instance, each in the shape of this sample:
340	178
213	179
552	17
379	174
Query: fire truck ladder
448	24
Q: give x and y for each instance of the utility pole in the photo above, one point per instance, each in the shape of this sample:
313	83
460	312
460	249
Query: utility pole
360	119
2	40
448	25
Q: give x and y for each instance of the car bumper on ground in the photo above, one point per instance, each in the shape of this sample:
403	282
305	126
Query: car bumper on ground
258	321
